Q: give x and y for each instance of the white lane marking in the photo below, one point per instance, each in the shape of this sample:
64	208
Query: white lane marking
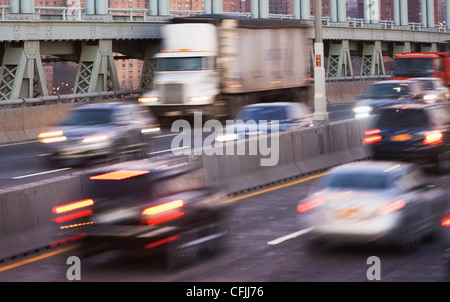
290	236
165	135
40	173
168	150
44	154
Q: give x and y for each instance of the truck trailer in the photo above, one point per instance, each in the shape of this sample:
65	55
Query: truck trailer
215	64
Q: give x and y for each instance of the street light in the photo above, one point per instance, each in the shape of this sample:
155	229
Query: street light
320	116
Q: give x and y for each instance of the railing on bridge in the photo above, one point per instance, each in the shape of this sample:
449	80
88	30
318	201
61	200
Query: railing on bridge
143	15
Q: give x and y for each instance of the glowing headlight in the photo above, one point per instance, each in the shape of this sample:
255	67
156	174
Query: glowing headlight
95	139
430	97
200	99
227	137
148	99
52	137
362	109
150	130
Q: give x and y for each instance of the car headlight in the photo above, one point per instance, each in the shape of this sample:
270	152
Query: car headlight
96	139
362	109
150	130
200	99
148	99
52	137
227	137
430	97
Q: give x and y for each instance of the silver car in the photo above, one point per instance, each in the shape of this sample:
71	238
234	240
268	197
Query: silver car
108	130
434	90
379	202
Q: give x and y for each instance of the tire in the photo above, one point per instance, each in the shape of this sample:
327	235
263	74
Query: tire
443	162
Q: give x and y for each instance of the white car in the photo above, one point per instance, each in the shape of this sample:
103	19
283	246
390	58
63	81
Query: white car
379	202
434	90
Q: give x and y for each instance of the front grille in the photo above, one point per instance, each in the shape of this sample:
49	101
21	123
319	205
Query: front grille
173	93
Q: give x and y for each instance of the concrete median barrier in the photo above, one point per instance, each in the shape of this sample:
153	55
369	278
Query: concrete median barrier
25	211
4	139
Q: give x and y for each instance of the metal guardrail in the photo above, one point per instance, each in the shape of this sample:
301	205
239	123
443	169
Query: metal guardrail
70	97
63	98
139	15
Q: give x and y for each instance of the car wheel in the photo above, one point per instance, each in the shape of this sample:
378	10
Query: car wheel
443	162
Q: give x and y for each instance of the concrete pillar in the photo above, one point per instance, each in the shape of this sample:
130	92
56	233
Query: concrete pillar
403	12
302	9
255	8
447	14
101	7
260	8
217	6
396	12
207	6
342	10
423	13
430	14
90	7
163	7
371	11
333	10
27	6
14	6
153	6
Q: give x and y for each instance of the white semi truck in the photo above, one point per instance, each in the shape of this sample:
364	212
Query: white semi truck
216	64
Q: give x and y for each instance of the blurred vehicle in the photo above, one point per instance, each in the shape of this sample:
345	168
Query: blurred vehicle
422	64
413	132
258	119
195	73
385	203
107	130
434	90
165	207
386	93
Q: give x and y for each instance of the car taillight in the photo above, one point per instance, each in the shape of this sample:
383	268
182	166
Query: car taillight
433	137
163	212
446	220
73	206
309	205
392	207
372	136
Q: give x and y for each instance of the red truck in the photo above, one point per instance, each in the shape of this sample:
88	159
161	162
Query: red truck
422	64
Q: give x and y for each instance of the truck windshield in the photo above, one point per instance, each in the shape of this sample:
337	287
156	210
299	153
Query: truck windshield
182	64
413	67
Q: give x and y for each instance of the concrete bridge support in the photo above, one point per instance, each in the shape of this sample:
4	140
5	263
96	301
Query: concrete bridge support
372	59
302	9
21	73
96	68
339	59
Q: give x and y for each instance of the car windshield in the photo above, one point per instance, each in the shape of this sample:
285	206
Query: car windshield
262	114
87	117
407	118
182	64
396	90
413	67
358	180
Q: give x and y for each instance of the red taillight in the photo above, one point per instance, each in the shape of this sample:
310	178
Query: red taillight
446	221
163	212
372	136
72	216
155	210
73	206
433	137
309	205
392	207
119	175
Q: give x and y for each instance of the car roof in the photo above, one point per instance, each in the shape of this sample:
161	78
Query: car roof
372	166
413	106
108	105
426	79
272	104
410	81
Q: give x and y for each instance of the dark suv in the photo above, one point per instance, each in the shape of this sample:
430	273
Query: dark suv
412	132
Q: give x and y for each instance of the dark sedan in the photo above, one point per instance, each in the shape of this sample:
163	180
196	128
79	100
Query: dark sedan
386	93
163	207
